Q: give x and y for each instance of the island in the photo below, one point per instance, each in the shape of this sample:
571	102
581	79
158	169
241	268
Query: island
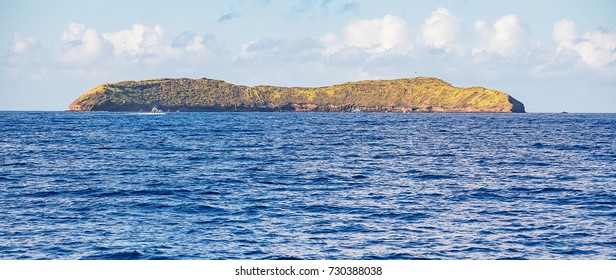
420	94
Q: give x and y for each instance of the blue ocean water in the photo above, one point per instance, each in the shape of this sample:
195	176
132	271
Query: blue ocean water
307	186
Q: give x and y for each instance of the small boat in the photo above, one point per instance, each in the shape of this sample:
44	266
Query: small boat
154	111
157	111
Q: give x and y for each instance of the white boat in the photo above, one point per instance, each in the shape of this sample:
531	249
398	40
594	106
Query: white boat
155	111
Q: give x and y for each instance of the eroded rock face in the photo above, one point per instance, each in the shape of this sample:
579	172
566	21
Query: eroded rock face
400	95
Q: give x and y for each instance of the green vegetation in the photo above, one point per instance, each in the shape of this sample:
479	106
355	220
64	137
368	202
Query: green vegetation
400	95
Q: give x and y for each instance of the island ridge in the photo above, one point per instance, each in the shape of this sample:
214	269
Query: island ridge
419	94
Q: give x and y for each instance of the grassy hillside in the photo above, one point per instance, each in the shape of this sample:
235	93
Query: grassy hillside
416	94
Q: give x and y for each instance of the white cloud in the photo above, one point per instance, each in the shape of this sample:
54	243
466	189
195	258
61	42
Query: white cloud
24	50
443	31
83	51
141	43
151	45
378	35
247	50
332	44
82	45
506	37
23	45
192	43
24	56
595	48
373	36
565	32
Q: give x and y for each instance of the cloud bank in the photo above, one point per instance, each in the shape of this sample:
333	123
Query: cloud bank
595	48
360	39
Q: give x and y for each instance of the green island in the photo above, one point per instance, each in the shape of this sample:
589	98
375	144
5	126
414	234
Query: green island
419	94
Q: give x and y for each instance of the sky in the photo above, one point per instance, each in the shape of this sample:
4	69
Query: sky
552	55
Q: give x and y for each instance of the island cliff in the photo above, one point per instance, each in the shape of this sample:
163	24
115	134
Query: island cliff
400	95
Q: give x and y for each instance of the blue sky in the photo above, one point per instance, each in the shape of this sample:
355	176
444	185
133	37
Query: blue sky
552	55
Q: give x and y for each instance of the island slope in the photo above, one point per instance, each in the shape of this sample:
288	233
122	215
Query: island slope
400	95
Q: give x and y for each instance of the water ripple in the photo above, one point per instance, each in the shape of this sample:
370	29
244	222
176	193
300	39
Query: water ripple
307	186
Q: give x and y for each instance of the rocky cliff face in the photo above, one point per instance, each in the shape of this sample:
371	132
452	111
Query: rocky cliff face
400	95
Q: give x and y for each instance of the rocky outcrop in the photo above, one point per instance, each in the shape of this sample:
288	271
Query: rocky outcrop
400	95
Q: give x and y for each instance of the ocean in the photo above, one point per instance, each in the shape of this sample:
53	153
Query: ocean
307	186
